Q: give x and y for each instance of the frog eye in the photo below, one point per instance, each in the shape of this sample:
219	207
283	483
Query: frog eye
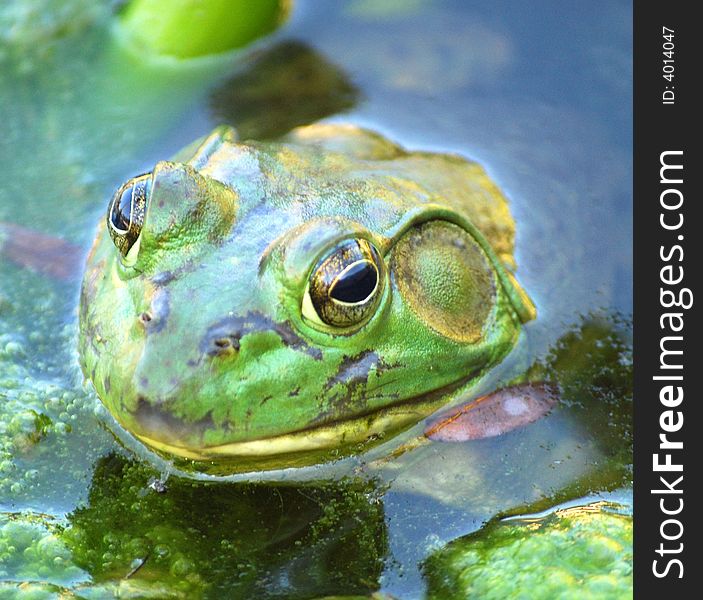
125	215
345	287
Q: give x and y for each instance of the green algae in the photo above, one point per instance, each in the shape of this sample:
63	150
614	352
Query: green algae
579	549
31	549
142	537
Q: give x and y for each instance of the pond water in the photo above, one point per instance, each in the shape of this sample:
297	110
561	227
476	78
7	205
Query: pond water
539	93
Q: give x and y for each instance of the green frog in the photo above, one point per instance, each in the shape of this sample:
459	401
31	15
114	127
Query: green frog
266	305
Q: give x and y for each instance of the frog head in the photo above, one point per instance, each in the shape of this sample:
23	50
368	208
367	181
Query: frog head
267	305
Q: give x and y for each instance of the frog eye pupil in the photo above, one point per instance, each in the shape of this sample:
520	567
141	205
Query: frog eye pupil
356	283
345	287
121	213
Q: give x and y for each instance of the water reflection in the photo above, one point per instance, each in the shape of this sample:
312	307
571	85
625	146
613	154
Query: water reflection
239	540
285	86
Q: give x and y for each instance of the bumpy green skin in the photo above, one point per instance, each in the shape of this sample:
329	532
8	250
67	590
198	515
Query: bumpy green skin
230	239
588	551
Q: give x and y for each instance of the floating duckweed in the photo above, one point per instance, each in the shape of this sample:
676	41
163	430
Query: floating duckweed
181	567
62	428
52	548
13	350
589	551
30	548
137	547
30	474
162	551
35	416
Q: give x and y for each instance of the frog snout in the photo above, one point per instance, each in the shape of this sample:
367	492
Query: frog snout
158	423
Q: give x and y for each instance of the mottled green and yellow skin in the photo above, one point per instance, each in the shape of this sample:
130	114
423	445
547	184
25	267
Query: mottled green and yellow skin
202	344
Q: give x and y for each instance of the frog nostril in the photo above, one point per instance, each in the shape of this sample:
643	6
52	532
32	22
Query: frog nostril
224	346
155	318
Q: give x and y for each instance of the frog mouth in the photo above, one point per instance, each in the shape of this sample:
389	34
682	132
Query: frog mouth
309	445
314	440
